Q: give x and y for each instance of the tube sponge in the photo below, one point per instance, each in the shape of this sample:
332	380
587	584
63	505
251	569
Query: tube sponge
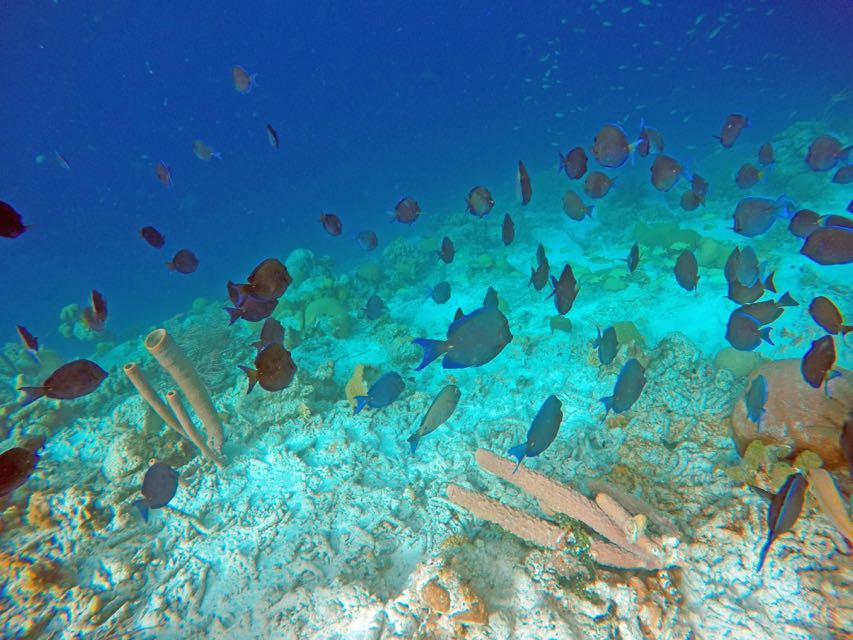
138	379
189	428
160	344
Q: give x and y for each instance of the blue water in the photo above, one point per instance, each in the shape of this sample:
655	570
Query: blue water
372	103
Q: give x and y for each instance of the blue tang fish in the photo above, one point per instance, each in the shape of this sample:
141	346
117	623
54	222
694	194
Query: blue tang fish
382	392
542	431
785	508
755	398
607	345
629	386
158	488
472	340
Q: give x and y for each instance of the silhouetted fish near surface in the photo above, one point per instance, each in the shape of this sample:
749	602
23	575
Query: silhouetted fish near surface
633	259
95	315
687	270
574	207
447	250
611	147
804	222
765	155
479	201
75	379
665	172
574	163
439	412
825	152
755	398
565	290
734	124
242	80
153	237
816	365
163	173
30	342
829	245
844	175
374	307
472	340
542	432
17	465
272	136
607	345
271	333
748	176
184	261
754	216
744	331
826	314
331	223
525	188
11	223
382	392
159	486
440	293
204	151
252	309
785	508
629	386
507	230
597	185
407	210
274	369
368	240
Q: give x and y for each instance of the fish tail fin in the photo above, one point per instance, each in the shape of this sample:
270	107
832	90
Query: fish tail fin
532	275
413	442
844	329
763	555
769	284
518	452
360	402
142	507
258	345
554	287
252	374
787	301
562	161
34	356
432	349
233	314
589	210
607	401
33	394
765	335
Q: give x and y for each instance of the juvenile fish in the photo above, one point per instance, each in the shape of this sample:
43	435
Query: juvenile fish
407	210
331	223
184	261
159	486
382	392
542	431
607	345
629	386
479	201
507	230
755	399
524	185
447	251
633	258
153	237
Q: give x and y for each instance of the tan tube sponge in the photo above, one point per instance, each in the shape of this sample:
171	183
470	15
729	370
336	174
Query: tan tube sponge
172	359
189	428
138	379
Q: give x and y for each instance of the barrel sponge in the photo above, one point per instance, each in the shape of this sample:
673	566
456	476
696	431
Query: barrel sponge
170	356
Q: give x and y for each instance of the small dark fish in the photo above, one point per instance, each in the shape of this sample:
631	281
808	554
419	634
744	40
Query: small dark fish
827	315
472	340
817	364
748	176
159	486
479	201
269	280
331	223
847	441
61	161
829	245
439	412
699	186
769	310
574	207
607	345
611	147
382	392
825	152
755	398
785	508
72	380
95	315
30	342
271	333
765	155
252	309
274	369
629	386
491	299
153	237
690	201
754	216
11	223
17	464
242	80
447	251
368	240
597	184
574	163
507	230
184	261
374	307
163	173
524	183
542	431
539	275
565	290
844	175
687	270
665	172
744	331
272	136
440	293
407	210
541	258
804	222
732	127
633	258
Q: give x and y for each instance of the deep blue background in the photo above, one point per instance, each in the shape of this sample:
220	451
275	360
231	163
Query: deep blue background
373	101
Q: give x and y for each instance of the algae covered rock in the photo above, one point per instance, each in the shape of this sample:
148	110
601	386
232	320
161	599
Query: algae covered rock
740	363
796	415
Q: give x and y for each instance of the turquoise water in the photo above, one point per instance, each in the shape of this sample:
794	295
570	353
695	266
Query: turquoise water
312	520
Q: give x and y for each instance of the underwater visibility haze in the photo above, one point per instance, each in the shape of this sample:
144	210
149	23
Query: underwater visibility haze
426	320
